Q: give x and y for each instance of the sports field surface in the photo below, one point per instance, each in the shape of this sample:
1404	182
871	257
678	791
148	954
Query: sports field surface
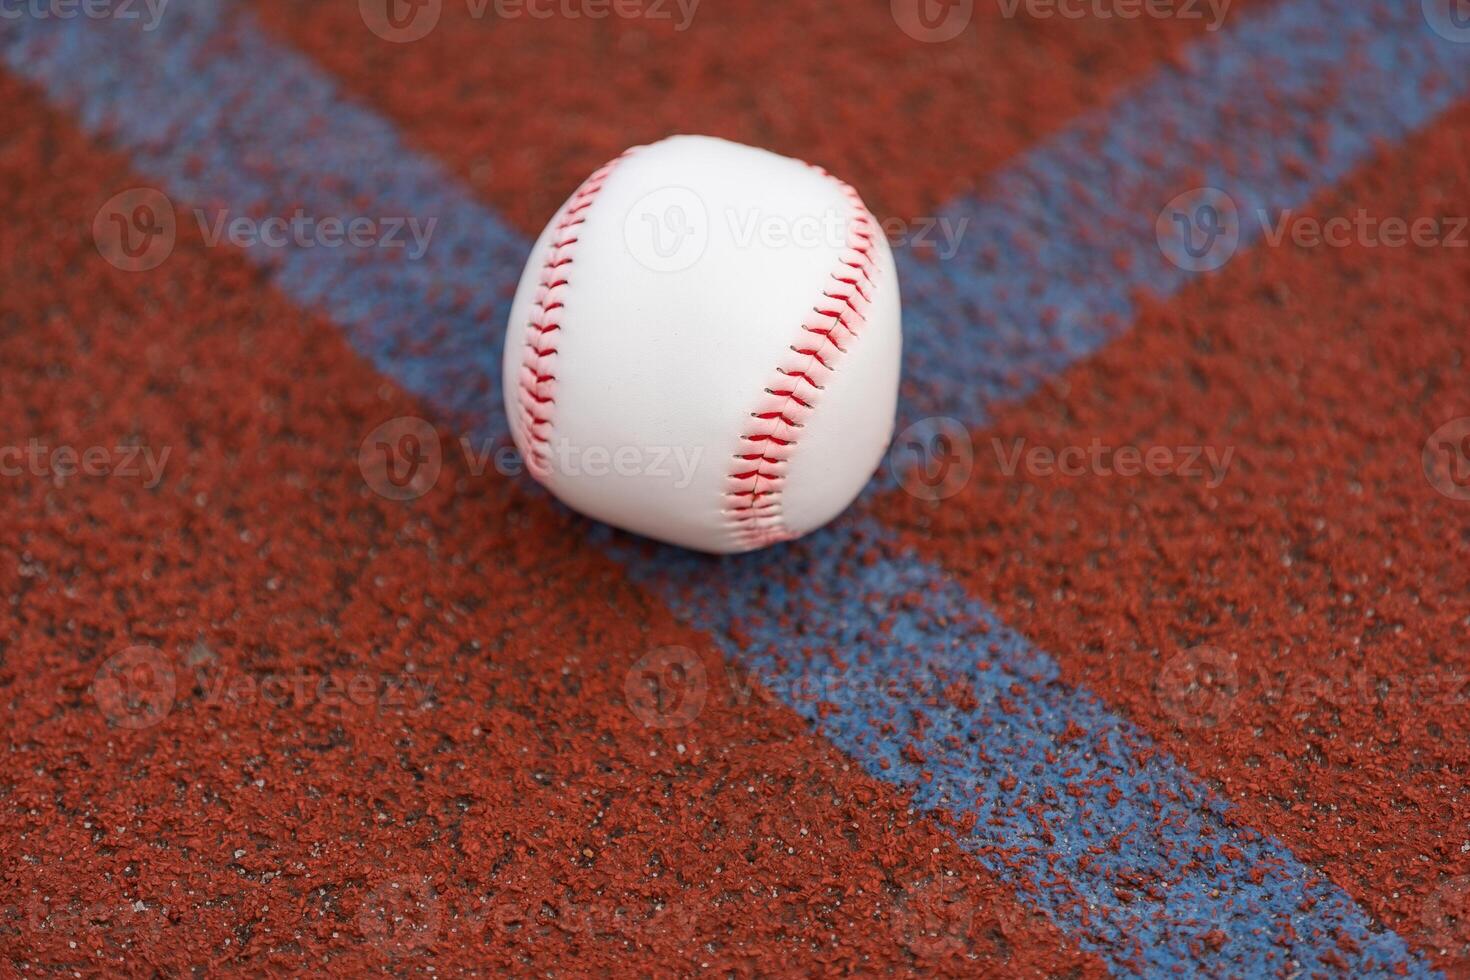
1146	653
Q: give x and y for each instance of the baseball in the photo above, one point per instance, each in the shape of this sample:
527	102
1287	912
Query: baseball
704	346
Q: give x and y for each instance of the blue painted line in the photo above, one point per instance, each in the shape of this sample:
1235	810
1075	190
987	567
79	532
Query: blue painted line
1280	111
1131	855
228	119
1068	800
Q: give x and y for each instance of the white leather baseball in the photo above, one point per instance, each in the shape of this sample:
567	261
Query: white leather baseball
704	346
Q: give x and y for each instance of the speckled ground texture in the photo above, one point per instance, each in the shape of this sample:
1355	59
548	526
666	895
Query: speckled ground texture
262	718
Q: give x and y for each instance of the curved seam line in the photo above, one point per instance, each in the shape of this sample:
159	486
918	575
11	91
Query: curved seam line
757	477
537	378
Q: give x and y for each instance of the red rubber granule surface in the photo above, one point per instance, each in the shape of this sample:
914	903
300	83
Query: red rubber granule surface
1297	635
525	108
505	813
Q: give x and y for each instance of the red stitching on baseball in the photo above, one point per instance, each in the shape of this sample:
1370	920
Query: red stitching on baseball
537	376
754	491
